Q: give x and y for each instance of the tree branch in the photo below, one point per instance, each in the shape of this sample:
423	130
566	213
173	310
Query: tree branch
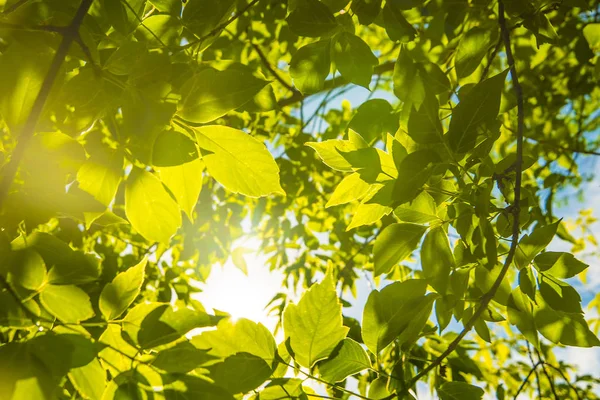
69	34
272	70
524	383
487	297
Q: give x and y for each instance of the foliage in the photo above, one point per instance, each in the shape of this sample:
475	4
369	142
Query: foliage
141	139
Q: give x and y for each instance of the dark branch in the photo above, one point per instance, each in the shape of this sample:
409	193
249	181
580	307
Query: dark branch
69	34
272	70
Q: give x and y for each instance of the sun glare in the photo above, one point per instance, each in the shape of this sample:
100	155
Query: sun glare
243	296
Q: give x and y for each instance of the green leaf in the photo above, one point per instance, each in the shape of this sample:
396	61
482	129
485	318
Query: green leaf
27	269
520	314
181	358
310	66
13	314
89	379
436	259
240	373
55	297
353	58
202	16
569	329
118	295
23	69
286	388
591	32
559	295
210	94
530	245
311	18
237	257
374	118
485	278
154	324
409	85
400	309
116	357
315	325
124	19
172	7
350	359
330	152
238	336
185	182
373	165
238	161
396	25
419	211
472	48
172	148
559	265
424	125
366	10
145	195
479	107
459	391
101	177
376	204
395	243
351	188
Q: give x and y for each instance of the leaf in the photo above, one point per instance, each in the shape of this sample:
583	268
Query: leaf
124	19
559	295
591	32
238	161
23	69
559	265
27	269
472	48
145	195
409	85
366	10
202	16
116	357
530	245
373	118
349	360
237	257
373	165
54	298
376	204
520	314
310	66
172	148
101	177
315	325
485	278
210	94
185	182
240	373
153	324
329	151
311	18
396	26
436	259
181	358
459	391
237	336
419	211
286	388
13	314
118	295
479	107
424	125
89	379
351	188
353	58
399	309
394	244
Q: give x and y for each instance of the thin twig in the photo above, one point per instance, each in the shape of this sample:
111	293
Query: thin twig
69	34
271	69
524	383
562	374
545	371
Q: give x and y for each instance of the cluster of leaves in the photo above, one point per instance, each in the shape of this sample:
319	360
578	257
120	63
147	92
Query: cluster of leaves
142	138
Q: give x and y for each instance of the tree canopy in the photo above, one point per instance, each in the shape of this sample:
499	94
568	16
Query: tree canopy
141	140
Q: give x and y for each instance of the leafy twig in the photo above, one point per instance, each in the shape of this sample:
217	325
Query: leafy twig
487	297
